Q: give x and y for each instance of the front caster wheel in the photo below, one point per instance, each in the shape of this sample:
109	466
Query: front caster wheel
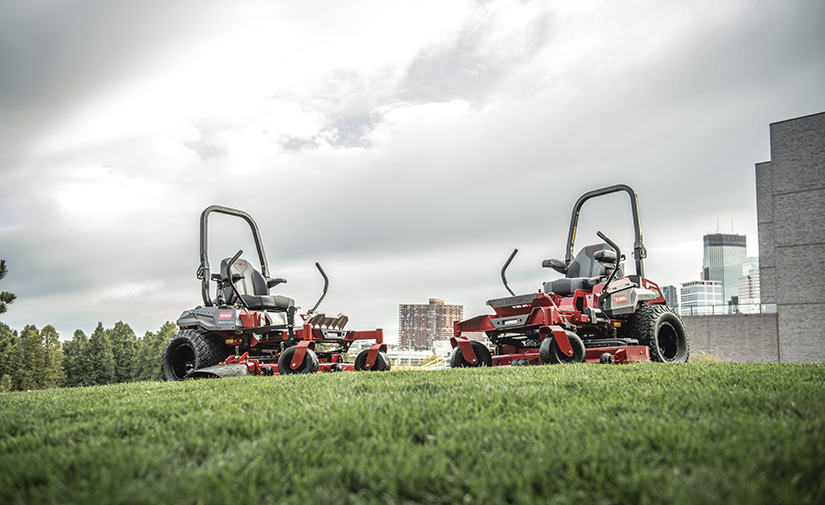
308	365
482	354
382	361
550	353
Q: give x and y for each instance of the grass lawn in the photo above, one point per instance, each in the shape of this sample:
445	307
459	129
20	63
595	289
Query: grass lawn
648	433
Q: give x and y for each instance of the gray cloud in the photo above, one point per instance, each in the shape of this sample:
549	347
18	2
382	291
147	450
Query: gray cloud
419	187
466	67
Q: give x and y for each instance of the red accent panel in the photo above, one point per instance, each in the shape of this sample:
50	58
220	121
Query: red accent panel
646	283
562	340
372	355
249	319
377	335
300	353
478	323
467	351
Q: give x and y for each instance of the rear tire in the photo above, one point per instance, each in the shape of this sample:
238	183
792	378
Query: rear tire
382	361
309	365
189	350
663	331
551	354
482	354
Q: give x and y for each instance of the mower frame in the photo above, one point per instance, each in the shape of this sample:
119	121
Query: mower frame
602	324
225	337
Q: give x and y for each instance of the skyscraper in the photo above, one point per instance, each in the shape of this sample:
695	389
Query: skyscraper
419	325
724	256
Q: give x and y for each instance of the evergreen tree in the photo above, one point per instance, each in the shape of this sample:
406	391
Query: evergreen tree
8	350
124	347
77	362
150	350
101	357
31	355
52	373
5	297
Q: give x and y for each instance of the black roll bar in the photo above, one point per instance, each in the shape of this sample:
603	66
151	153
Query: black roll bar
504	268
639	251
203	270
324	294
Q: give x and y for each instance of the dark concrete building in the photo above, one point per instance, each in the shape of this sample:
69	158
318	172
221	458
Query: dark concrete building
790	203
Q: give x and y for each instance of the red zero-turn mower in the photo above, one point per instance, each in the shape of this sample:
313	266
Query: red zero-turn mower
593	314
246	331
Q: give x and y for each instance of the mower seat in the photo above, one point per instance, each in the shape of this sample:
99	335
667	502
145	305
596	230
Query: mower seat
253	288
584	272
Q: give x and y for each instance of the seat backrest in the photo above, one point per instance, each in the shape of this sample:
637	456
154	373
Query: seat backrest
253	283
584	265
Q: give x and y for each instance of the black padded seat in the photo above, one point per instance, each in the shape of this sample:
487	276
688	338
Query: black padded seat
566	287
268	302
584	272
253	288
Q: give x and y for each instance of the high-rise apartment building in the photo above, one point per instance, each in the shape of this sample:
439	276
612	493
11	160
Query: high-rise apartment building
724	256
419	325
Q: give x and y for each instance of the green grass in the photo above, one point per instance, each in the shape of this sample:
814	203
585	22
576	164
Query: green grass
699	433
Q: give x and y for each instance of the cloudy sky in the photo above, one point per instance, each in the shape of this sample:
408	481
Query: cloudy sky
408	146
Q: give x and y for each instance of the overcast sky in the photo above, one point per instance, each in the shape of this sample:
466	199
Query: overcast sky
408	146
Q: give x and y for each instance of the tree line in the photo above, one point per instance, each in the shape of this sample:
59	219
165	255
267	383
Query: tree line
37	359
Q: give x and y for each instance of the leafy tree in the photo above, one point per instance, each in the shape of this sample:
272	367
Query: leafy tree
77	362
124	347
101	357
5	297
149	352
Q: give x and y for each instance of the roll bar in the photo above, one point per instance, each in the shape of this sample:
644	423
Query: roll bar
504	268
639	251
203	270
324	293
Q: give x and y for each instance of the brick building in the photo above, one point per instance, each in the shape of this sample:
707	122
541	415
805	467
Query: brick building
419	325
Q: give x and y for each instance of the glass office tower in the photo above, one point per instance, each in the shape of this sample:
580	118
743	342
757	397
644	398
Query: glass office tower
725	253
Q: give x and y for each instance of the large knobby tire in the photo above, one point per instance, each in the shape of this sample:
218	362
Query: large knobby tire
382	361
190	350
482	354
309	365
550	353
663	331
